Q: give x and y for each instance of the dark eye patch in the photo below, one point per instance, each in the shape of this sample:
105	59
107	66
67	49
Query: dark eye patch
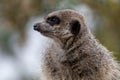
54	20
75	27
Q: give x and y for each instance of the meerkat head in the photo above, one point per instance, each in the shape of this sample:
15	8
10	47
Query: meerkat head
61	25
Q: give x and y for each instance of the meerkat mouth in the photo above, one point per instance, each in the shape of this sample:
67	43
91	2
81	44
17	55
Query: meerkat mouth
39	28
36	27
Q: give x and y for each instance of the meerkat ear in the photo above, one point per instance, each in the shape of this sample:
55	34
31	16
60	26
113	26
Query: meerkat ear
75	27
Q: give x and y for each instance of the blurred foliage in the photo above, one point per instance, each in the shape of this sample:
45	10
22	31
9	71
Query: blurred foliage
106	13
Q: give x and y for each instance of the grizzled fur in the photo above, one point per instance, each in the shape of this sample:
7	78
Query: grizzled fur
75	54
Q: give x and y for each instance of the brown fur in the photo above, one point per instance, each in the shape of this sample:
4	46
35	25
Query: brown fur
72	57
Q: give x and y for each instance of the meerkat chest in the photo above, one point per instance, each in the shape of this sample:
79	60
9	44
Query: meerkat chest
50	61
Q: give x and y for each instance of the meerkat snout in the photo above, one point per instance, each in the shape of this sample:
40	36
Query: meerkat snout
36	26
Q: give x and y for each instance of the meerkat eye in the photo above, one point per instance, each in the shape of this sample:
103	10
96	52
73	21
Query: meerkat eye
75	27
53	20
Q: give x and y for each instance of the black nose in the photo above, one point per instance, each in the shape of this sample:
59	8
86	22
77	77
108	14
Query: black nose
36	26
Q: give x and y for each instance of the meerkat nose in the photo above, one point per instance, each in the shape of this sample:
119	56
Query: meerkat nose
36	26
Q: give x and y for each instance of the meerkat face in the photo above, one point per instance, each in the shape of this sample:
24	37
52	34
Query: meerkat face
61	24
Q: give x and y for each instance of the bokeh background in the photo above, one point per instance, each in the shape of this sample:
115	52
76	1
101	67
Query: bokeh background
20	45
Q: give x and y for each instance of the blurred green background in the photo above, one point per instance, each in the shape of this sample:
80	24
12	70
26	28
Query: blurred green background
16	14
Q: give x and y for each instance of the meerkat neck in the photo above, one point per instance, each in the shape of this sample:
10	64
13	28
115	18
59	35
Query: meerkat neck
75	42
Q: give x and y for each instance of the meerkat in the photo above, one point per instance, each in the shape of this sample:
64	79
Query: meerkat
75	54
